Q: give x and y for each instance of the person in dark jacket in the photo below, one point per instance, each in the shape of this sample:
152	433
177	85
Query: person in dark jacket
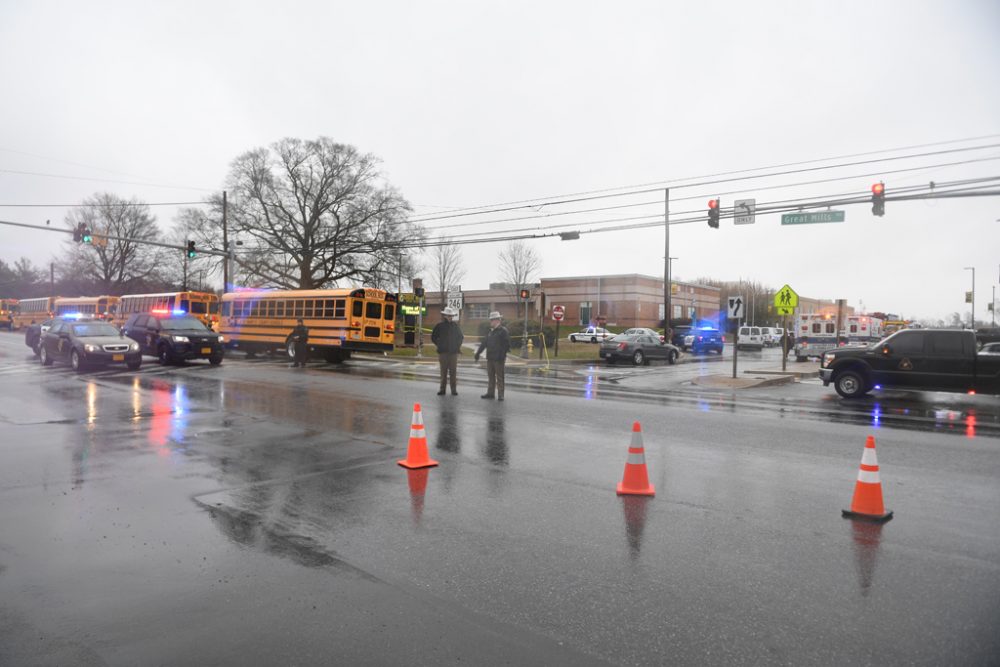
496	343
448	337
300	339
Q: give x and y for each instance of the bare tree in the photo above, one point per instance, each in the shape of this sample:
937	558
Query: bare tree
446	261
518	263
114	265
312	213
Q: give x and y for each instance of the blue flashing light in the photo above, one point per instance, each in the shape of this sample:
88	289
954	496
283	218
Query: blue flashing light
878	386
72	316
178	311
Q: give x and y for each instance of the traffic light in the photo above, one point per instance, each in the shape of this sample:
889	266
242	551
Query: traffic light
191	251
418	292
878	199
87	236
713	213
525	294
78	233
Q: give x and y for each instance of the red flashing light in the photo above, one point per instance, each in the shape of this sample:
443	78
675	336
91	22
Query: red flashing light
713	203
878	188
160	311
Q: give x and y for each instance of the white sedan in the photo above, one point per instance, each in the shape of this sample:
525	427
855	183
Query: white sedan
590	335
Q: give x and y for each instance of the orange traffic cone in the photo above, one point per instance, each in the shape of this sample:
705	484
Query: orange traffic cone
867	501
416	453
636	480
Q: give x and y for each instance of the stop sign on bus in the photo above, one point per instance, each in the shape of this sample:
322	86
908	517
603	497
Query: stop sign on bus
557	313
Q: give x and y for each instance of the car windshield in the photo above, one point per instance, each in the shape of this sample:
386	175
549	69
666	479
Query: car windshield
91	329
181	324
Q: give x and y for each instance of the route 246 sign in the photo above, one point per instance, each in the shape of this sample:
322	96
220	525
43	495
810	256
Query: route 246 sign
558	312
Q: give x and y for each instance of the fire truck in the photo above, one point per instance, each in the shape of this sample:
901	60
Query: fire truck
816	333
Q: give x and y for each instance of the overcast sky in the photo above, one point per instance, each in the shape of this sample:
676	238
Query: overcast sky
473	103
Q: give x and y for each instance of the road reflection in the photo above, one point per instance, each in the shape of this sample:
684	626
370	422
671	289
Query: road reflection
635	508
867	538
417	481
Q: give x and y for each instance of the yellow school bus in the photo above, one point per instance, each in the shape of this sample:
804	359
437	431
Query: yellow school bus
32	311
203	305
340	321
99	307
7	309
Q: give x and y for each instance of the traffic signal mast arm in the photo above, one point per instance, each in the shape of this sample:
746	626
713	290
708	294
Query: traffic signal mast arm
75	231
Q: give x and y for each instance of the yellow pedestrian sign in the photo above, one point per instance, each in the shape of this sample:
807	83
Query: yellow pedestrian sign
786	300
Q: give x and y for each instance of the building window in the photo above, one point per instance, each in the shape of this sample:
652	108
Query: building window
585	313
476	311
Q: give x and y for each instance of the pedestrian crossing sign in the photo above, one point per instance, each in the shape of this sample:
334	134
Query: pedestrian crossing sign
786	300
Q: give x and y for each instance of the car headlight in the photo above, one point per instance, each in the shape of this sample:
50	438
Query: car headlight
134	347
91	348
180	339
222	339
828	358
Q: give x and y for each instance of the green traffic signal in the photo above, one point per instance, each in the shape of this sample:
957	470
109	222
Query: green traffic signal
87	236
191	251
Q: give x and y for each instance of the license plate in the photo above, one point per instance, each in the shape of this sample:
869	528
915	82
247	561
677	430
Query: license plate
206	350
118	357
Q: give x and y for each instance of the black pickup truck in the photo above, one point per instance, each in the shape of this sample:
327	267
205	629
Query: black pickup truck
913	359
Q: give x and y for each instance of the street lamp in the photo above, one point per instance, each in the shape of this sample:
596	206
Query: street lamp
972	317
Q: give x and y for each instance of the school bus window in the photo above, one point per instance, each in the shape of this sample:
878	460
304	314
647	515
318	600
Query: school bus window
307	308
198	308
213	308
357	308
340	308
390	312
226	309
373	310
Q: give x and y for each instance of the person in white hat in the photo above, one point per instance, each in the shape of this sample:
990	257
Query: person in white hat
448	337
497	344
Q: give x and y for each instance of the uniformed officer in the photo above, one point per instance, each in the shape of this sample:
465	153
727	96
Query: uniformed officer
448	337
497	344
300	338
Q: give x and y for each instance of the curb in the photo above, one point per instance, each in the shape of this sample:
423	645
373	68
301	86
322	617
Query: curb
727	382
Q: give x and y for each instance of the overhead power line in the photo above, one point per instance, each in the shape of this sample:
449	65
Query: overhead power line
105	180
664	183
659	202
81	205
698	183
933	191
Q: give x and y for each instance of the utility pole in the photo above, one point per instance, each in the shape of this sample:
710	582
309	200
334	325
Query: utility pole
666	266
225	246
52	278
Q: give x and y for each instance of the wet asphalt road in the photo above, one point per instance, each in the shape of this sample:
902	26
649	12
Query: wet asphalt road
254	514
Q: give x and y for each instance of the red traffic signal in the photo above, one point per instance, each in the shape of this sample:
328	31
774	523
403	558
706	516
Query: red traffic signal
713	213
525	294
878	199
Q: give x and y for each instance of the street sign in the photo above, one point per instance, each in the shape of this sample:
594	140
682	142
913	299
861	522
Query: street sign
558	312
786	300
736	309
809	218
744	209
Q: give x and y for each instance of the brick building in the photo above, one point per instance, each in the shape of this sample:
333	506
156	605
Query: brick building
630	300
